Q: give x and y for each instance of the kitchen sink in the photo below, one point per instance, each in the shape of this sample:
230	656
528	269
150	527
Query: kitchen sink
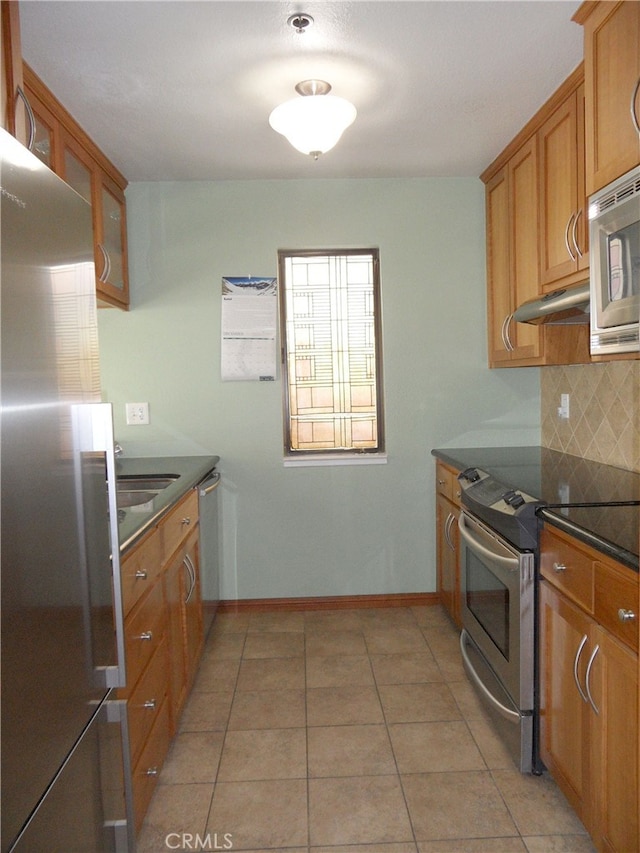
137	489
145	482
135	498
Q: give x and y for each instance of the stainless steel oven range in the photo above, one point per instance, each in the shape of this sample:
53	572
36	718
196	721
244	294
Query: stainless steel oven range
498	537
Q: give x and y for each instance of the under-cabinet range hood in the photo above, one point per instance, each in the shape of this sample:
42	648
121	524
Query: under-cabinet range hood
560	307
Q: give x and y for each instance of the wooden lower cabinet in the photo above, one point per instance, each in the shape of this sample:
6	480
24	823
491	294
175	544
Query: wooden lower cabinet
147	769
193	621
173	587
447	547
614	746
146	699
564	712
589	688
163	640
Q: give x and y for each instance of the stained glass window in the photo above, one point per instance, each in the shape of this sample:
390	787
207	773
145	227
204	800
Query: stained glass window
330	307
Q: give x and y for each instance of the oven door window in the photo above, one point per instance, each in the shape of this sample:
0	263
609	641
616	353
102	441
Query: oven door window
488	600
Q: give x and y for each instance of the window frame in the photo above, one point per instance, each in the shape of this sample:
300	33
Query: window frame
337	455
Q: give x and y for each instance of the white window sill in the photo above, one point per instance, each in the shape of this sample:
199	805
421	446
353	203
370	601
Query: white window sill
337	459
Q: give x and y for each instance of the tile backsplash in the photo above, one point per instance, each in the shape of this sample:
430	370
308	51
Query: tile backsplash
604	411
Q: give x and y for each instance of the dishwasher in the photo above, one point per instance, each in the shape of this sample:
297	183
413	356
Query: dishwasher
208	507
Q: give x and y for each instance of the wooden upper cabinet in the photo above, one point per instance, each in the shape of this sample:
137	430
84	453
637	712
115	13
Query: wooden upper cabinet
498	265
563	222
13	108
107	201
62	144
523	213
44	131
512	257
612	99
535	200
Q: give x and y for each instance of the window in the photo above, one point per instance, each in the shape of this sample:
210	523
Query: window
332	356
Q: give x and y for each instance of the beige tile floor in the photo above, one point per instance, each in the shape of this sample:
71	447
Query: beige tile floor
345	731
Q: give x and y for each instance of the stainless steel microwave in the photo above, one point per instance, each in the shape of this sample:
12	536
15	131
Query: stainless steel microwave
614	234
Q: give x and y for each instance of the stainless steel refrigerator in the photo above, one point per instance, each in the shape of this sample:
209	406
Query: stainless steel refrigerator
64	750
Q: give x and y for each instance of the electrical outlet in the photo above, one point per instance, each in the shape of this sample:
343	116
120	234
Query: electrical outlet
563	408
137	413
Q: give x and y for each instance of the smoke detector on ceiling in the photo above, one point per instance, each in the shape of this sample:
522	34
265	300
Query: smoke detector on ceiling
300	22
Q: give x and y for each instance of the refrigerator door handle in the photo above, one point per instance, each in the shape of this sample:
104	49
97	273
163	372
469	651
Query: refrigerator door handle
93	439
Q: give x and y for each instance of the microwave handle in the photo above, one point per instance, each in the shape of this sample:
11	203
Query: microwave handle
510	563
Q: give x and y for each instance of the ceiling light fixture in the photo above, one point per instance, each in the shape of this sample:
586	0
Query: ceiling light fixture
314	123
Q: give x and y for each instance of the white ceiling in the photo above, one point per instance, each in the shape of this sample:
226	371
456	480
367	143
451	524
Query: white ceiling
181	90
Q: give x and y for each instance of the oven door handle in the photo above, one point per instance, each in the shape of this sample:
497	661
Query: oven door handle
503	710
510	563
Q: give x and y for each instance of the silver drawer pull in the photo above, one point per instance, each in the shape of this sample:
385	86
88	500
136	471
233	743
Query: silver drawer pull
186	520
626	615
559	567
441	482
152	771
146	635
141	575
150	704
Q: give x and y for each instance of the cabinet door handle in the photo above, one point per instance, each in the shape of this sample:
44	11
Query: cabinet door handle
626	615
566	237
146	635
106	269
186	520
507	336
141	575
150	704
32	119
575	668
634	113
559	567
587	678
574	236
503	335
152	771
447	530
447	526
192	577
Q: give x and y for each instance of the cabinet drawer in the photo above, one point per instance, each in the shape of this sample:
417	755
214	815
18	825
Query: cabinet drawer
616	598
569	569
447	483
147	770
143	630
140	568
146	699
178	524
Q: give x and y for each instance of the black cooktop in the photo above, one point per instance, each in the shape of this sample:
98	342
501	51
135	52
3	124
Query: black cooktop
613	528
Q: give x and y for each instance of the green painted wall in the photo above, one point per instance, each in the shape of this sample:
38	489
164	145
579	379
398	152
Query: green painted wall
330	530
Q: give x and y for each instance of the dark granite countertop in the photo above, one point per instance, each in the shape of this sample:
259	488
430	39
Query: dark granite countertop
564	482
612	529
134	521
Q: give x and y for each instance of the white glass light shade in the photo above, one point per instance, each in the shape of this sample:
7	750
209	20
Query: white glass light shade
313	124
